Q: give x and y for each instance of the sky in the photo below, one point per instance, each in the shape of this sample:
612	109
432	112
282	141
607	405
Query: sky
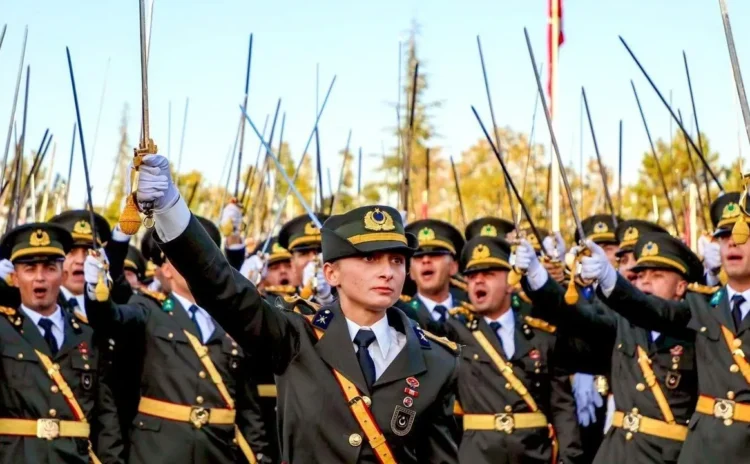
199	51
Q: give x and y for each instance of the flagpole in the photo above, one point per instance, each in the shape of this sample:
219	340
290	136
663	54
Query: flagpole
553	44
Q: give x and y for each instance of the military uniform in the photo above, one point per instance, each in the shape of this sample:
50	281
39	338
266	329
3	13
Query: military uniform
524	414
300	234
646	428
136	263
411	402
189	408
39	422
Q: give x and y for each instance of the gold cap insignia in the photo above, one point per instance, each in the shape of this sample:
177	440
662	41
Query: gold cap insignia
276	248
600	228
311	229
488	231
731	210
631	234
82	227
378	220
39	238
650	249
426	235
150	268
480	252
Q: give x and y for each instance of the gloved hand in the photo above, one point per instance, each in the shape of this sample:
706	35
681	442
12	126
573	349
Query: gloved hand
118	235
231	219
254	268
587	398
6	268
527	260
598	267
711	254
314	272
155	184
323	291
554	247
94	265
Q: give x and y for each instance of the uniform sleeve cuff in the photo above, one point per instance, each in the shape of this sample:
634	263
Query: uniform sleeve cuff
711	279
119	236
537	278
172	221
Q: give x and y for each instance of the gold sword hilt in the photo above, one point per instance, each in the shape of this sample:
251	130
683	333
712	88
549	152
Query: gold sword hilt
130	219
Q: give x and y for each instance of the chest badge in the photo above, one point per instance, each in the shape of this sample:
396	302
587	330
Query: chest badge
402	420
672	380
535	354
87	380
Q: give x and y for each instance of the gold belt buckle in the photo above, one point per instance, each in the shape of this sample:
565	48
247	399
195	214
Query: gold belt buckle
504	422
199	416
723	409
48	429
632	422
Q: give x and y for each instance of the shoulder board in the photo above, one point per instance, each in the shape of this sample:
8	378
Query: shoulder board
300	304
7	311
466	305
457	283
153	294
522	295
81	317
703	289
462	311
281	289
442	341
405	298
540	324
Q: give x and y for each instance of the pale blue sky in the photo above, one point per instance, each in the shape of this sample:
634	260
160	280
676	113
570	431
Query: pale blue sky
199	50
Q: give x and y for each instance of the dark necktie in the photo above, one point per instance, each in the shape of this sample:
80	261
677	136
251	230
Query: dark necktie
443	311
73	302
363	339
194	309
496	326
46	325
737	300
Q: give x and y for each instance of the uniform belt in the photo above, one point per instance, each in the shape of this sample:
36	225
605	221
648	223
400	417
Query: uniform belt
636	423
267	390
196	415
723	409
505	422
49	429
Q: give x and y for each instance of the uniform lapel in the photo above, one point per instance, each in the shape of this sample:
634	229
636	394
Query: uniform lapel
72	337
33	335
410	361
458	296
722	312
181	318
522	343
337	350
423	314
492	337
218	335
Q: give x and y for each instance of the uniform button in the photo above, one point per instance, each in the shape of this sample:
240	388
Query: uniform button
235	352
54	389
728	422
140	424
367	400
52	413
734	368
170	335
476	356
111	348
56	367
20	355
355	439
730	395
199	400
86	366
508	386
111	341
629	436
675	367
703	329
737	343
536	371
202	374
538	384
640	387
675	359
634	410
619	346
84	357
508	408
234	365
234	344
234	441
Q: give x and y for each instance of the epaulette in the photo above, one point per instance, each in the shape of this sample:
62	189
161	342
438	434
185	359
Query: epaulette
457	283
464	312
466	305
153	294
703	289
81	317
281	289
540	324
7	311
307	306
443	341
405	298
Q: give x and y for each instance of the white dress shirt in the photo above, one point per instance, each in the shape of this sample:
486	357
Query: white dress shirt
201	316
67	294
58	323
506	331
744	307
430	305
387	345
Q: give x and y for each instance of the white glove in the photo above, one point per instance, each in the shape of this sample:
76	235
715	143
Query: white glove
587	398
711	254
118	235
254	267
155	286
94	265
323	290
308	273
6	268
554	247
155	184
231	214
598	267
527	260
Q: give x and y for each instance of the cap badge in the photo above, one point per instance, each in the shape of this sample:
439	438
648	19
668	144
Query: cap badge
311	229
631	234
600	228
488	231
276	248
377	220
426	235
39	238
650	249
82	227
480	252
731	210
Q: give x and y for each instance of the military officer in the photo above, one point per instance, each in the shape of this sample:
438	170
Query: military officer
720	427
627	233
153	254
278	274
53	408
194	402
135	268
654	378
388	386
513	395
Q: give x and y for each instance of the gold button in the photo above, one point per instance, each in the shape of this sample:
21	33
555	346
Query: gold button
56	367
355	439
508	408
737	343
54	389
675	359
727	422
234	441
730	395
367	400
20	355
674	367
86	366
508	386
234	344
619	346
703	329
140	424
634	410
734	368
199	400
84	357
476	356
170	335
234	365
234	352
202	374
629	436
52	413
536	371
640	387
